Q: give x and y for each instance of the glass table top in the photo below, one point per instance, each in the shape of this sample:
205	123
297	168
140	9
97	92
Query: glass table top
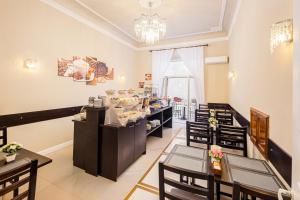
185	162
247	163
190	151
258	180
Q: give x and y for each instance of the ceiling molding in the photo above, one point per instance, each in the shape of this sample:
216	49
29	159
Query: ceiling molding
88	23
96	27
191	34
105	19
222	15
235	16
184	44
218	29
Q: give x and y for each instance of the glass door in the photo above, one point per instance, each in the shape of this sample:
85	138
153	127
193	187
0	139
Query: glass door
182	94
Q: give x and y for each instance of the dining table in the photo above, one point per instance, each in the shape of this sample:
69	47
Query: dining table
27	154
23	155
252	172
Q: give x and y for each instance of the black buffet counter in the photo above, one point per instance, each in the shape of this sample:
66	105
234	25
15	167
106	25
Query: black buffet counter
108	150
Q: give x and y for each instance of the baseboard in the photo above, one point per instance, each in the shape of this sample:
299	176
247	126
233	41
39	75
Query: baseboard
56	148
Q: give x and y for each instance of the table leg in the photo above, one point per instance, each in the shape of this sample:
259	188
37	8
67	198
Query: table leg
16	191
218	191
245	196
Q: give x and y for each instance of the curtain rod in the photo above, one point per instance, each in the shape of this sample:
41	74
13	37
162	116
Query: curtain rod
202	45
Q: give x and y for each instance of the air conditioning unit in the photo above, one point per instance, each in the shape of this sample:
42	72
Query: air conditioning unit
217	60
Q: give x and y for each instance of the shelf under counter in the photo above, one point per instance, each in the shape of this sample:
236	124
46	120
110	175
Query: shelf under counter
164	115
152	130
167	120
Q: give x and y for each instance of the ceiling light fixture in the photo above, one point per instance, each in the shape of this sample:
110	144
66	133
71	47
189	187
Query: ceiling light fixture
175	57
150	28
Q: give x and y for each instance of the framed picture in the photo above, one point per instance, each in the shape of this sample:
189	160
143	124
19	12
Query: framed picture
148	77
65	67
91	78
85	69
80	69
141	84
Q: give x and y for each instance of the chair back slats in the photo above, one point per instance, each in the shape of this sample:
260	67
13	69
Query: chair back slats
186	172
21	196
3	136
13	186
186	187
18	174
183	187
239	189
203	106
198	132
224	117
232	138
202	115
172	196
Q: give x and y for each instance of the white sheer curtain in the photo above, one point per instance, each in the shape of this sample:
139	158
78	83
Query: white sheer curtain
193	59
193	64
160	62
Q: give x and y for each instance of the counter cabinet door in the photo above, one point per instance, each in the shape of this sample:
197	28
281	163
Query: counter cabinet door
140	138
125	148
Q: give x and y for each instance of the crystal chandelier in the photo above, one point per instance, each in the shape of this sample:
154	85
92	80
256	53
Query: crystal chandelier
281	32
150	28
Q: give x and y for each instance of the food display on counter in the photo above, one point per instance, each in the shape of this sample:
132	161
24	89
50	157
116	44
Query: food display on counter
110	92
82	115
123	108
156	106
95	103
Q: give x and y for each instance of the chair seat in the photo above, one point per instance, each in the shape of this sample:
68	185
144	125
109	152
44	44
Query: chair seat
186	195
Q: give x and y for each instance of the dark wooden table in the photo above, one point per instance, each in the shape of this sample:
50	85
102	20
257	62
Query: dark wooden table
24	153
22	156
252	172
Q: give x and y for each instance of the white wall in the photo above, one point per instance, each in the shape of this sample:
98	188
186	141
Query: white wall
32	29
296	103
264	80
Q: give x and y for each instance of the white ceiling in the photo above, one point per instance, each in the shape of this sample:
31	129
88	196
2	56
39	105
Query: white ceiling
184	17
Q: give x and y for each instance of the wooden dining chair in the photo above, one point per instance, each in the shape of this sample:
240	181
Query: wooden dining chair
178	190
17	174
232	137
224	117
203	106
3	136
198	132
244	191
202	115
177	109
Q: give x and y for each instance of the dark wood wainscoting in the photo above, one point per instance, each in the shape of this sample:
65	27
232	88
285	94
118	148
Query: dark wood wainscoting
281	161
277	156
37	116
240	118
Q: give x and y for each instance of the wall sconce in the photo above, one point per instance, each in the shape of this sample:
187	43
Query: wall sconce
30	63
232	75
281	32
122	78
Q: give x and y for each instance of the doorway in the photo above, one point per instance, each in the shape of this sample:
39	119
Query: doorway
181	91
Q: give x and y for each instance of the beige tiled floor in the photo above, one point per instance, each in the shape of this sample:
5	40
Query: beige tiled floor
60	180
